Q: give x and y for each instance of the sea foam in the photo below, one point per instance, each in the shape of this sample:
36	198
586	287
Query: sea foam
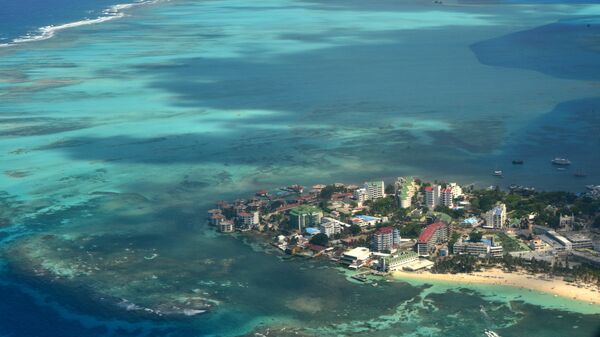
111	13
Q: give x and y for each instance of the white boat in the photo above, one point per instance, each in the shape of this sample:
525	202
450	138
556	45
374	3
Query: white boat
498	173
561	161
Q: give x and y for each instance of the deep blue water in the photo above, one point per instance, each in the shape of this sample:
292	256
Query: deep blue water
22	17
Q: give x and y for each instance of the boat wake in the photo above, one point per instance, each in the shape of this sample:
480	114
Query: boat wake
111	13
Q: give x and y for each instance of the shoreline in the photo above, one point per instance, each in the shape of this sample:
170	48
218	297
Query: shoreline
556	286
113	12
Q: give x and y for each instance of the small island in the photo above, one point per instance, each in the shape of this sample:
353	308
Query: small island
411	229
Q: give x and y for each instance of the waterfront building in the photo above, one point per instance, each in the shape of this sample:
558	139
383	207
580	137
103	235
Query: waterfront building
248	219
305	216
355	258
580	241
216	219
433	234
226	226
375	189
496	217
432	196
386	239
397	261
481	249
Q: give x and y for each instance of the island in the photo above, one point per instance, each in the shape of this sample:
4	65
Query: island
411	229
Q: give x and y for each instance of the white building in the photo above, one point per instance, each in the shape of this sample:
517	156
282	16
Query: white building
355	258
478	249
396	262
448	194
226	226
457	191
360	195
446	197
496	217
375	189
579	241
432	196
249	219
330	226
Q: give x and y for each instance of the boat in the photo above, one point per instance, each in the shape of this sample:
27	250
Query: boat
518	162
498	173
579	174
561	161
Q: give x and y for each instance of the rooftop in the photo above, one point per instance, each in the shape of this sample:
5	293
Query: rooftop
304	209
385	230
429	231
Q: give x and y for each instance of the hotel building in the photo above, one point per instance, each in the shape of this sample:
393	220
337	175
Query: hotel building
386	239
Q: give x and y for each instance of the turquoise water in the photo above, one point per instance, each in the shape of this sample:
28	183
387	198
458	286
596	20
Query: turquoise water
117	137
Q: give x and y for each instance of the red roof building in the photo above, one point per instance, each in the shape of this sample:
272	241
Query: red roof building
433	234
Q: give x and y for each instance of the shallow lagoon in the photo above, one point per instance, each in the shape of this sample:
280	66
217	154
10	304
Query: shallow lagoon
116	138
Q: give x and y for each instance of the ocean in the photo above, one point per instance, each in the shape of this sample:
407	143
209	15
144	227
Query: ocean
121	128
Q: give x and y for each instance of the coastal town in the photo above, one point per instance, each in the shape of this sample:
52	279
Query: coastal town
411	226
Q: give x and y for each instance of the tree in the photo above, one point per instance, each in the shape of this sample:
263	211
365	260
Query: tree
475	236
390	189
319	239
355	229
453	238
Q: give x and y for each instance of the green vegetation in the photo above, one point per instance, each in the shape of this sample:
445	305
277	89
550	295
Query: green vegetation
386	205
328	191
475	236
455	264
510	244
355	229
320	240
410	229
453	238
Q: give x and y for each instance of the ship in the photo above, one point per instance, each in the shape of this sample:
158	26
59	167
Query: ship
518	162
498	173
561	161
580	174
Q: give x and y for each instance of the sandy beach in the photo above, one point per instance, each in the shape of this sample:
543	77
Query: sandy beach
538	282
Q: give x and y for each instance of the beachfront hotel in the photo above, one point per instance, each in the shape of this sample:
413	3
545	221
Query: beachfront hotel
386	239
485	248
396	262
433	234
